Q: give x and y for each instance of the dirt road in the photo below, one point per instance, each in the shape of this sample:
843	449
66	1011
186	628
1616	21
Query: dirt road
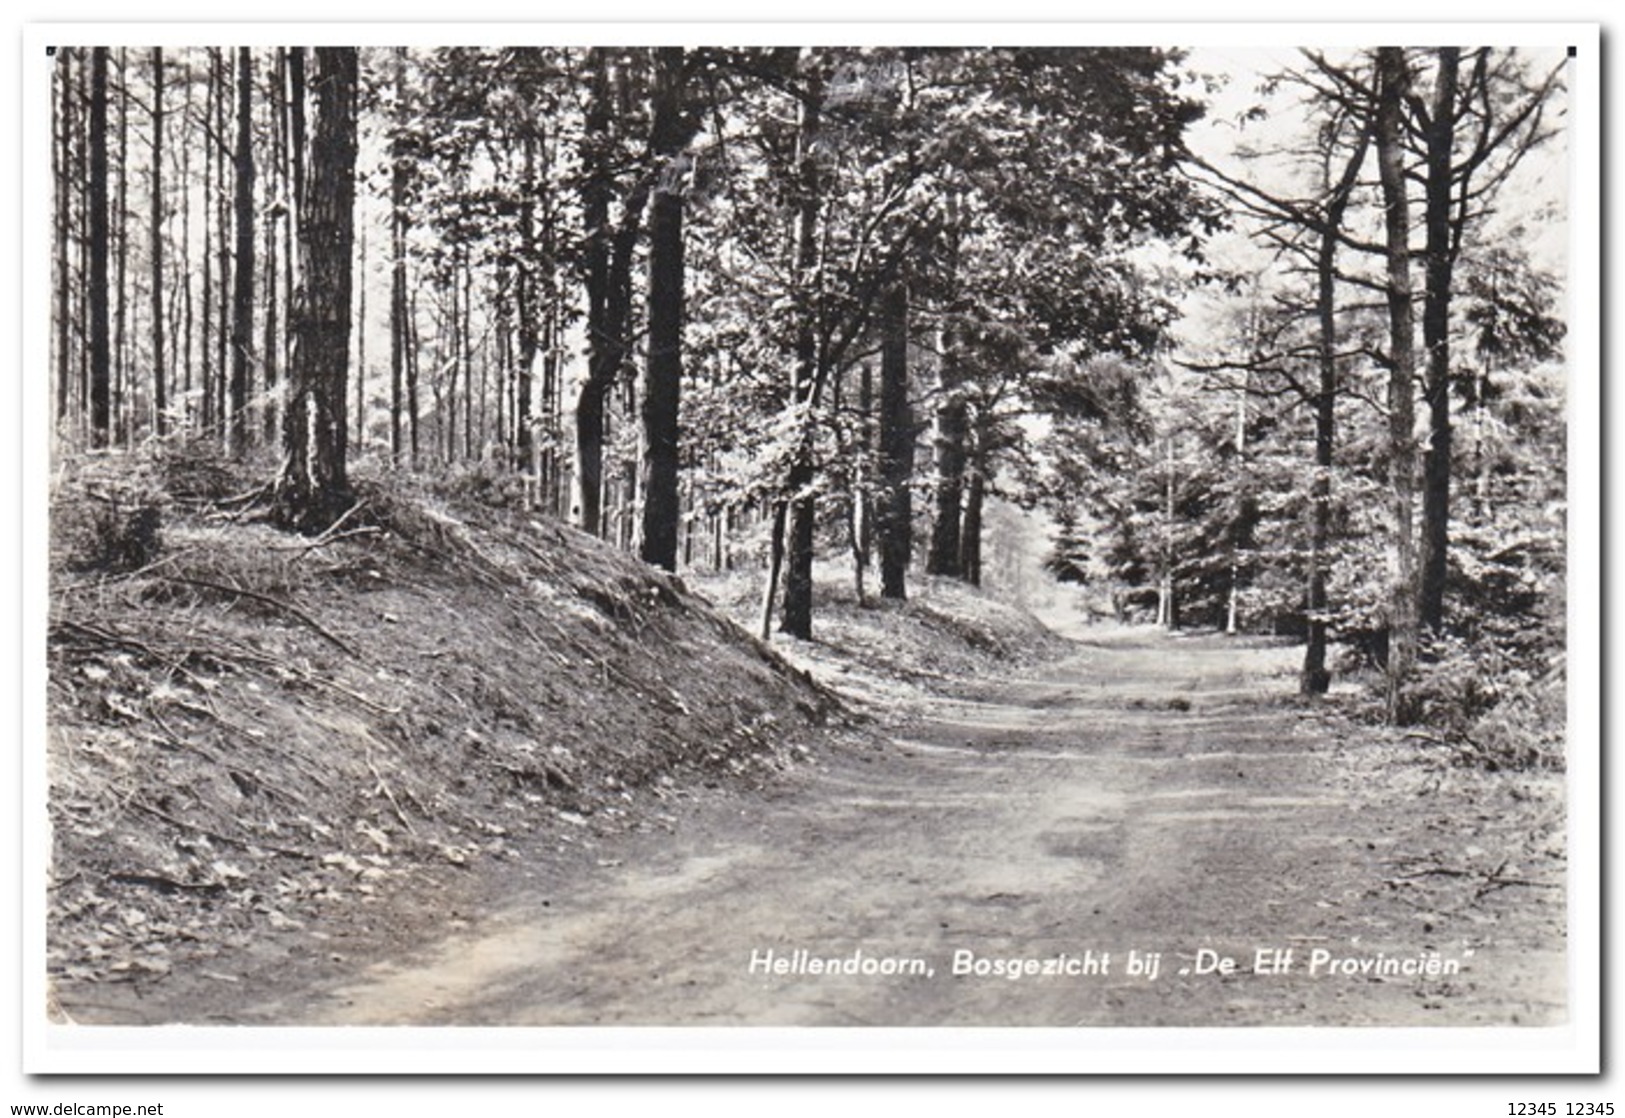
1084	847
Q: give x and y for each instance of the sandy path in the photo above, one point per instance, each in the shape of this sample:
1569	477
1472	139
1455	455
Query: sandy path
1149	796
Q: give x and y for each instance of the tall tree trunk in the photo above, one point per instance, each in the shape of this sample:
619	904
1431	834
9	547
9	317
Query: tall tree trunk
949	447
398	333
223	309
527	311
271	328
603	338
211	186
100	349
275	191
1393	84
452	365
798	580
121	389
550	461
313	489
894	506
1440	257
663	378
187	323
64	235
85	304
465	341
1315	679
242	303
610	364
414	347
160	395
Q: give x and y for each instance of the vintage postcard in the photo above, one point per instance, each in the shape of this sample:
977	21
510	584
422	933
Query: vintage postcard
881	548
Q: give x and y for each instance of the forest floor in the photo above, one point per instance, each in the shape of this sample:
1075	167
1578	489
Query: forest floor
986	796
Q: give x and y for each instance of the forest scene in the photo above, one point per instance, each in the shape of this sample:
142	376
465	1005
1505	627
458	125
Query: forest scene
870	536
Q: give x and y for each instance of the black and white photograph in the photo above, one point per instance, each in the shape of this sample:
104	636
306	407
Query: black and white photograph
813	543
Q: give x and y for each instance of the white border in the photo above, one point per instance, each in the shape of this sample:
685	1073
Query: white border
1159	1051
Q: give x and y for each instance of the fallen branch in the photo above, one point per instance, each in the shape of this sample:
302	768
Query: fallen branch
241	844
245	498
166	884
277	603
331	533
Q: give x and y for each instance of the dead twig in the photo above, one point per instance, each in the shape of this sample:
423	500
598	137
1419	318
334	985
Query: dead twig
306	548
109	580
383	786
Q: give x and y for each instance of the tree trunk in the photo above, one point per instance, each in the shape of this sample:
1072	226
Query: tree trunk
120	228
894	505
465	346
452	364
242	316
413	348
313	489
274	191
398	334
1315	679
942	558
798	580
860	509
271	328
970	535
160	396
663	378
1440	257
185	407
609	290
1167	604
361	343
64	236
84	309
295	58
100	350
222	406
527	310
775	563
1393	81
